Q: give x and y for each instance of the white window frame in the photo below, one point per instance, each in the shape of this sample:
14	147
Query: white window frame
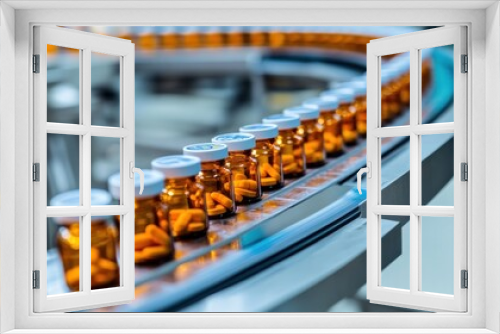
16	123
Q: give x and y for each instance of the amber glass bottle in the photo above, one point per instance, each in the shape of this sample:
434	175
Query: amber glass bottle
359	88
331	121
346	110
243	166
268	154
104	265
153	242
215	177
313	134
183	198
293	157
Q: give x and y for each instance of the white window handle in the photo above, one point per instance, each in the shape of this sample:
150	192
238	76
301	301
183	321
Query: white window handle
133	170
368	171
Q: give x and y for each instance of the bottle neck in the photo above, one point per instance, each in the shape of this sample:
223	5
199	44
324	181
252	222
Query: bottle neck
264	143
326	114
236	154
146	201
178	183
287	133
212	165
309	122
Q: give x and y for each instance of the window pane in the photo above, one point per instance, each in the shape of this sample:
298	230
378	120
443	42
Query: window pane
105	162
395	89
63	255
437	169
105	271
105	90
437	254
395	177
63	167
437	84
63	85
396	274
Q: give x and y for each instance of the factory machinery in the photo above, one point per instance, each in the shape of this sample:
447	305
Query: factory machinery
303	247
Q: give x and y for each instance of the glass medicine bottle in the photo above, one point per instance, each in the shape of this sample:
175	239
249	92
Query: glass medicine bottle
312	132
332	123
390	105
214	175
293	157
268	154
153	242
243	166
346	110
359	88
192	38
214	37
104	265
182	201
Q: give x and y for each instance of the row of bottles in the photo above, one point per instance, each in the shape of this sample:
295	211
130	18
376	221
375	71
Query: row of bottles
151	38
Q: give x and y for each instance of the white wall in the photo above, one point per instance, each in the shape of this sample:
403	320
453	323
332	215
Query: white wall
7	190
492	150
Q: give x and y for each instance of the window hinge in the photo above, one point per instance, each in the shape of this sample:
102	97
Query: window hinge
36	172
36	279
465	279
464	170
465	64
36	63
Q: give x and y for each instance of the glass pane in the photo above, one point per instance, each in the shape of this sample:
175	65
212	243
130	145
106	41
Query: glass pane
395	254
437	169
105	271
437	254
395	89
105	162
63	85
105	90
437	84
63	167
395	177
63	255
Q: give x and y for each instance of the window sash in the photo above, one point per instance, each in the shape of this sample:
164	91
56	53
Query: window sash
86	43
413	43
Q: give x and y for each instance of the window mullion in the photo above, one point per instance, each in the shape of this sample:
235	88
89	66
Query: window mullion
85	166
414	170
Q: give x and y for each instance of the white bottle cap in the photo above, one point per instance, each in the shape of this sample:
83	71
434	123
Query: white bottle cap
321	104
343	95
261	131
206	151
284	122
153	184
304	113
72	198
177	166
236	141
